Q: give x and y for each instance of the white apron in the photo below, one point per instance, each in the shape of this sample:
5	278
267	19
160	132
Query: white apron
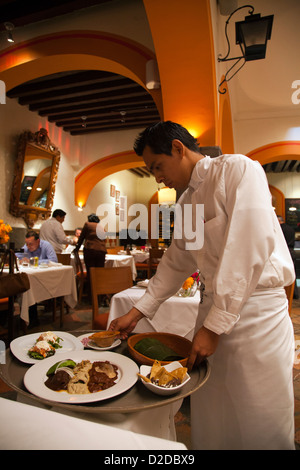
248	403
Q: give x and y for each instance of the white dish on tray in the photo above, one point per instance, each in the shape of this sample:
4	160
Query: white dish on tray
35	377
145	370
92	345
20	346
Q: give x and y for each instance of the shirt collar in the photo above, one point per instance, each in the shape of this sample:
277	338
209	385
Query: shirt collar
199	172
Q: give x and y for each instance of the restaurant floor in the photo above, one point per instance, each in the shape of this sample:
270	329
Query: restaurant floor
80	319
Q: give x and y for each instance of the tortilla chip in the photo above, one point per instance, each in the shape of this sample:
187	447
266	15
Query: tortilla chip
179	373
145	379
155	369
164	378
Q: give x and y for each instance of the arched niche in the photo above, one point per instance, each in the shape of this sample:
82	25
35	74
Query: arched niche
276	151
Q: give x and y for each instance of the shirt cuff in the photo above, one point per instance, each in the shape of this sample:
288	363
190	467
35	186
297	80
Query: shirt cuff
147	305
220	321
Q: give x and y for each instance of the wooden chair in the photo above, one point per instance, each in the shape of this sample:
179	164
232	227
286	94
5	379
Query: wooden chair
143	267
114	250
81	276
151	264
65	259
155	254
289	290
107	281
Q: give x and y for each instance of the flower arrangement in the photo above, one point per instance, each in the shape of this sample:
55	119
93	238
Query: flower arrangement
196	277
4	231
190	285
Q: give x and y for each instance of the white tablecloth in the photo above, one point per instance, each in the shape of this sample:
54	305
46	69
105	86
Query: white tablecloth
112	261
176	315
139	255
47	283
25	427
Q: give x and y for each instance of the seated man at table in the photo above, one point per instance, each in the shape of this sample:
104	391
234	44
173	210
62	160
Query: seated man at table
45	252
36	247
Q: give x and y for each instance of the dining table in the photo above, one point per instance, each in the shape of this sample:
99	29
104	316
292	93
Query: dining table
137	409
118	260
57	431
139	256
176	315
48	282
111	261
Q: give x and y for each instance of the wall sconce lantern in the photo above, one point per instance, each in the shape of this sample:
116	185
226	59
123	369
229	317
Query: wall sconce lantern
252	35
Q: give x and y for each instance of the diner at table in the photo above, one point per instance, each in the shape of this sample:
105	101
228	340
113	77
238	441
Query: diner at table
35	252
49	280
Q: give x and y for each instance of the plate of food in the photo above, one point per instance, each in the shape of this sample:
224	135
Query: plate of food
81	377
37	347
164	380
91	341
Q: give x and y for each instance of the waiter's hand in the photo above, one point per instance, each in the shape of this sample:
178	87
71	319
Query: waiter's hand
126	323
205	343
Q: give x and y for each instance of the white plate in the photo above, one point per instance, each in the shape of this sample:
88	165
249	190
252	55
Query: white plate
93	345
20	346
145	370
35	377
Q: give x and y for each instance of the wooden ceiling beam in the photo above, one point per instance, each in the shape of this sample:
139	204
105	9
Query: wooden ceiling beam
116	127
82	92
135	102
62	81
112	121
101	98
94	117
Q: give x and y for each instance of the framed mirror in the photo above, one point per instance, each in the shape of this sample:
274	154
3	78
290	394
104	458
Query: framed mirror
35	177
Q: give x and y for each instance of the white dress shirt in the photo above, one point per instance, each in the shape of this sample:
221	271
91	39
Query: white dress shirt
247	403
243	249
52	231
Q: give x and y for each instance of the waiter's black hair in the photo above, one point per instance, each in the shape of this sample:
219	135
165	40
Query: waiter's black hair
159	138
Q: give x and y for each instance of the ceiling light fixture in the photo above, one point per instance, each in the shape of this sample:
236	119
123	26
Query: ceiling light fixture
9	28
84	121
252	35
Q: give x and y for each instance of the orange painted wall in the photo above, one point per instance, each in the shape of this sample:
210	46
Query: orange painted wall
185	55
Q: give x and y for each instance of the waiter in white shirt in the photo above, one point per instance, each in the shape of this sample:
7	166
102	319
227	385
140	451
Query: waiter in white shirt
52	231
243	325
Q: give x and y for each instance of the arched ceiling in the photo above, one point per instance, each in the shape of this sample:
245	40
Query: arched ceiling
88	101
